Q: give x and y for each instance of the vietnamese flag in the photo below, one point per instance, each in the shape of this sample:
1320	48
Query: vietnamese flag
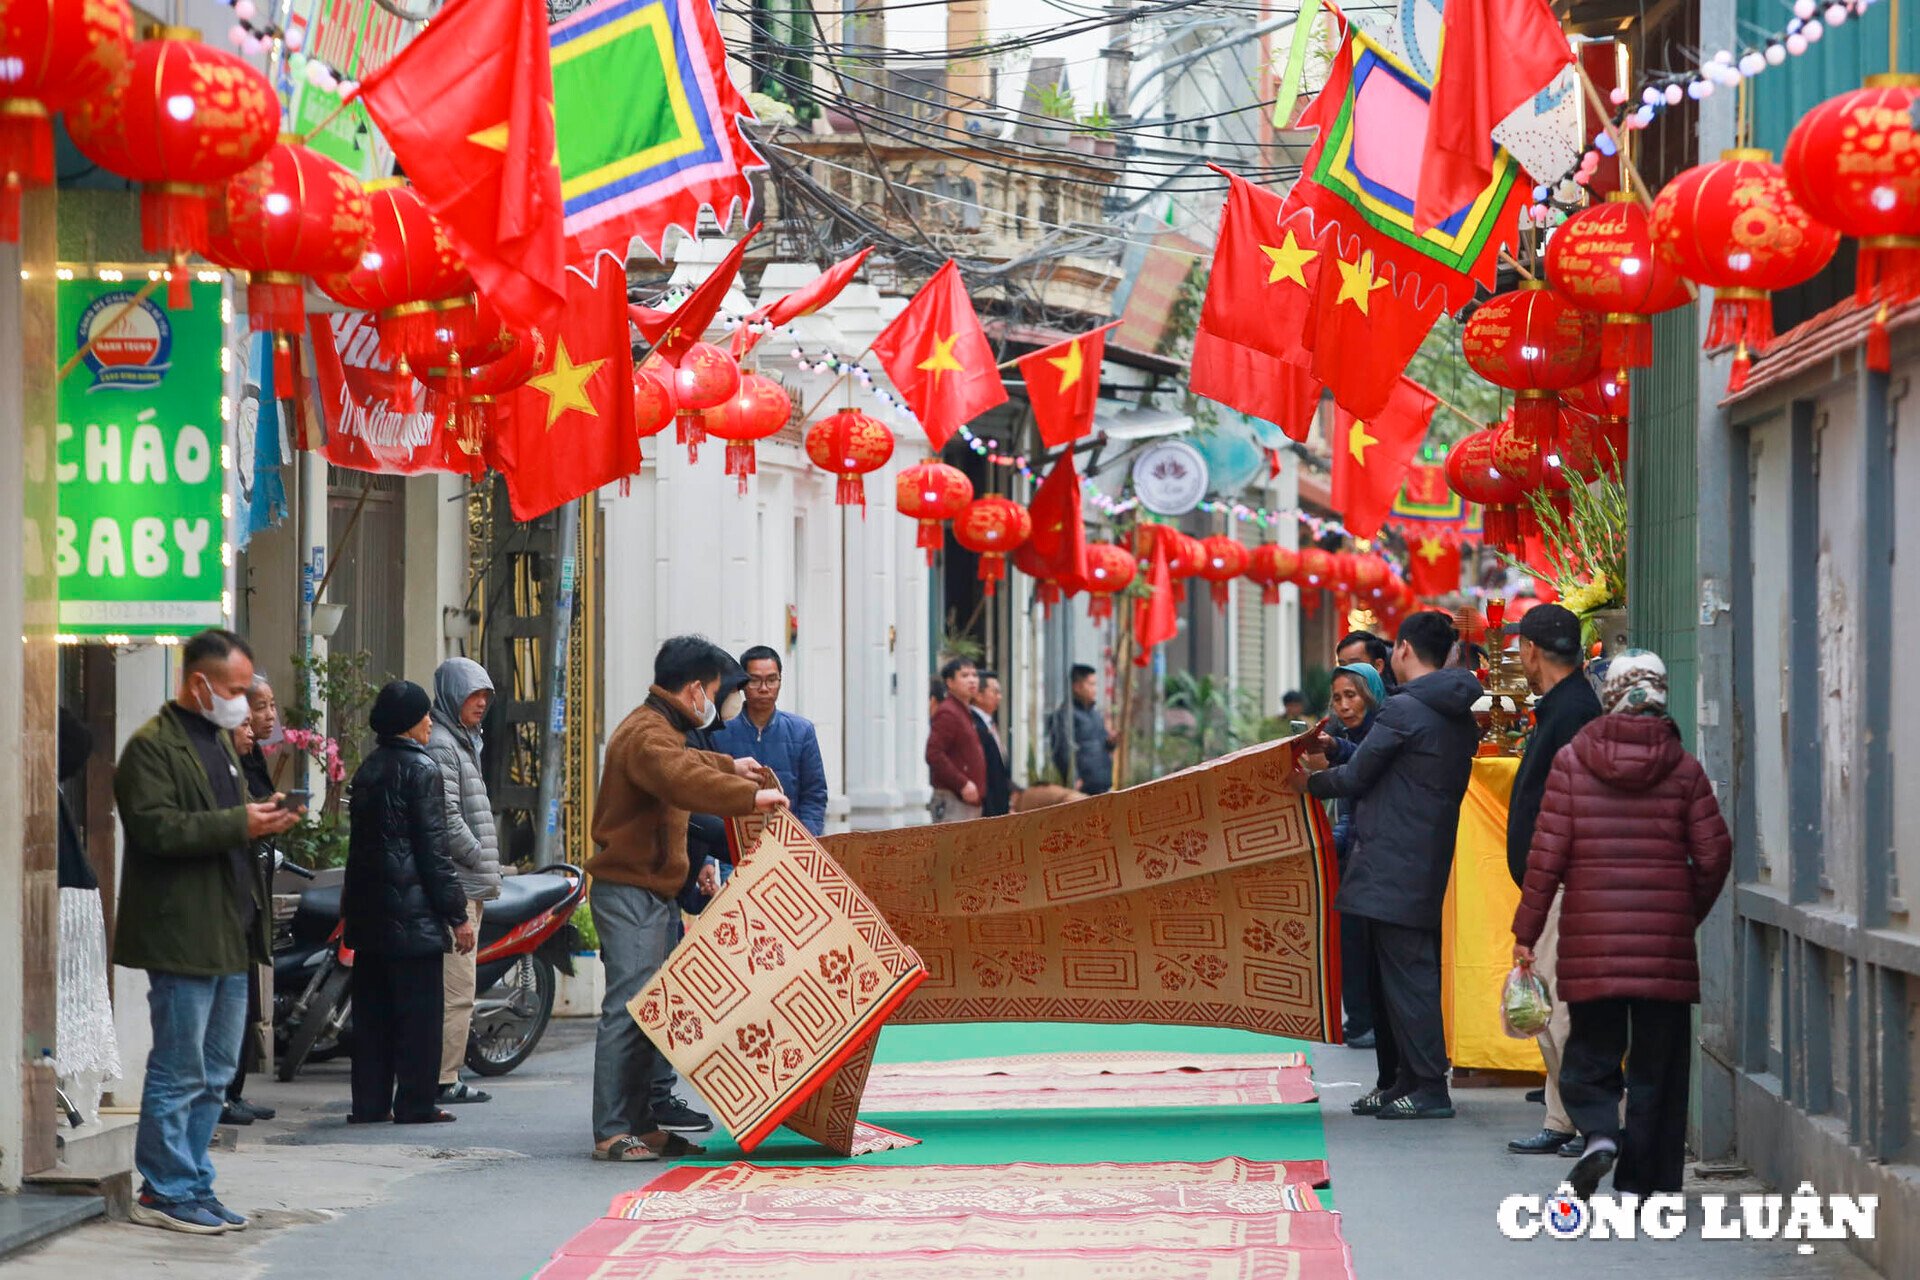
1364	331
570	429
803	301
1279	391
1154	622
1494	55
1433	567
468	108
1058	543
672	333
1260	290
1371	456
1063	384
939	358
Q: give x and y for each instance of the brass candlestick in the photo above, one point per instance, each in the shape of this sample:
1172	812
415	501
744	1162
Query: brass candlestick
1506	687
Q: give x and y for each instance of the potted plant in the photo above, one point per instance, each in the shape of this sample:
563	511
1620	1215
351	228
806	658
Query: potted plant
1055	102
1586	553
1097	126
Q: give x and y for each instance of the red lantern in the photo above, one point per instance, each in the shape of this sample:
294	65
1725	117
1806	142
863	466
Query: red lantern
406	270
992	527
653	406
1027	561
1110	570
185	119
1222	559
1536	344
759	409
706	378
1734	226
930	493
1471	473
292	215
1853	162
1316	569
1270	565
849	444
1343	571
53	54
1371	577
1183	554
1602	260
482	372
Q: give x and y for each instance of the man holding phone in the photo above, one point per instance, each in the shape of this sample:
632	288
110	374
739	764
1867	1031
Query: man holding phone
193	916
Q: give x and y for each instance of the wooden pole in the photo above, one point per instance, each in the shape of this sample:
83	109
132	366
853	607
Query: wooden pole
1605	112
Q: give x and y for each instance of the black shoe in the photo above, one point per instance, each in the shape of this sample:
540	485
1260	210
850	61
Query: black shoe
235	1113
1362	1041
459	1092
1545	1142
1369	1103
1414	1107
1574	1146
1589	1169
1537	1095
675	1116
240	1106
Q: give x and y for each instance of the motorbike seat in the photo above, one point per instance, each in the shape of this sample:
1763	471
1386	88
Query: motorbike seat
522	898
318	913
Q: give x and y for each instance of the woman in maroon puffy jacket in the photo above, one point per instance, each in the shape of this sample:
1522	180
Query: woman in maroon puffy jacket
1630	832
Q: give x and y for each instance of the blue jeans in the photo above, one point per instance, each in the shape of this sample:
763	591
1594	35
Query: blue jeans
197	1027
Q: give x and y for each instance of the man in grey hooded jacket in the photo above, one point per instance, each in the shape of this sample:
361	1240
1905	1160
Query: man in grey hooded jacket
462	692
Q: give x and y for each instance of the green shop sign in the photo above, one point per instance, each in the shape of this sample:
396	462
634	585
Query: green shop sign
139	545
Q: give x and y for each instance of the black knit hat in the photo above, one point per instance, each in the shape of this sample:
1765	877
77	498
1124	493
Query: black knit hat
401	705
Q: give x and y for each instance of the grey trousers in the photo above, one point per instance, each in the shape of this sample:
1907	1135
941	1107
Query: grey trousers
636	935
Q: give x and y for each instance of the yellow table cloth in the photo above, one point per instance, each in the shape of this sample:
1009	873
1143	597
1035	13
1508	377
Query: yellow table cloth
1477	928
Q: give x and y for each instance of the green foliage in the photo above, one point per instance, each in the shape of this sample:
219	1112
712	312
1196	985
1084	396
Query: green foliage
1183	315
1207	717
1440	368
319	842
1097	123
1055	101
335	691
1586	549
583	921
1317	684
958	644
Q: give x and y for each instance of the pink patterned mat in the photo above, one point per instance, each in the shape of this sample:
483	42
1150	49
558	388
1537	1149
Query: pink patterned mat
1331	1263
1267	1086
744	1175
1139	1062
802	1203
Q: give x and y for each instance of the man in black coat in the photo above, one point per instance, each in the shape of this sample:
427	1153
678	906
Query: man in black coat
1565	702
401	901
998	799
1411	774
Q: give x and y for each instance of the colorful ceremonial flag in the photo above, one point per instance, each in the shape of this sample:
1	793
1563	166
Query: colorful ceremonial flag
672	333
570	429
1063	385
1364	332
1371	456
1494	56
1154	621
1059	537
1265	386
939	358
1433	567
469	110
649	123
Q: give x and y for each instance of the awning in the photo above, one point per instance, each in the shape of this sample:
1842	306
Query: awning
1123	421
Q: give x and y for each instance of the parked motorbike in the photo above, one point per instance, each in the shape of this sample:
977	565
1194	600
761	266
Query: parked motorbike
525	934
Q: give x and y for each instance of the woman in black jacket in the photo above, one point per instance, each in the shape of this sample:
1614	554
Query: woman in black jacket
401	900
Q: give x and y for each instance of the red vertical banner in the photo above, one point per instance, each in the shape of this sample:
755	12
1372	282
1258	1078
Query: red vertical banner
1601	61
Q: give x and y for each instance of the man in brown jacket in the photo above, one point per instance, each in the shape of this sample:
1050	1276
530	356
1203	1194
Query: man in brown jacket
955	758
650	781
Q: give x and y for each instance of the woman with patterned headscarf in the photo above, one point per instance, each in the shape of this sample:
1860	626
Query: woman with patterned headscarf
1630	830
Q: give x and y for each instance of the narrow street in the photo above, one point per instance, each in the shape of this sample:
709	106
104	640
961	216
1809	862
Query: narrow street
501	1189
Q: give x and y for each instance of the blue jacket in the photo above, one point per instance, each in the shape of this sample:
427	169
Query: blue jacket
788	746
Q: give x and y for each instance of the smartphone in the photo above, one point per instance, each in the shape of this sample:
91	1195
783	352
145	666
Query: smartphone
295	800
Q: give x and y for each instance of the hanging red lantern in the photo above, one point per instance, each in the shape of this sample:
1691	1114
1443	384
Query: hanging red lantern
1853	162
759	409
1594	430
1735	227
1027	561
1602	260
1536	344
1316	569
1183	554
705	378
1110	570
849	444
469	388
1471	473
1343	571
53	54
653	406
185	119
1222	559
292	215
930	493
992	528
1371	577
1270	565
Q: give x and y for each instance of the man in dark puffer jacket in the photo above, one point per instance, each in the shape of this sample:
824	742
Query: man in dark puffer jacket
401	900
1632	837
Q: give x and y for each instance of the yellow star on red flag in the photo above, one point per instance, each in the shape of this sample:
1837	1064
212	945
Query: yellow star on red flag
1357	282
1358	441
565	385
1070	365
1287	261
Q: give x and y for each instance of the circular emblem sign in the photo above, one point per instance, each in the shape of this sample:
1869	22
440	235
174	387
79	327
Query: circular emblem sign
1170	478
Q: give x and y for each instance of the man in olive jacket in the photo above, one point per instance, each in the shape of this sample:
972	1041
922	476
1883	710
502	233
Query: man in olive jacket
192	916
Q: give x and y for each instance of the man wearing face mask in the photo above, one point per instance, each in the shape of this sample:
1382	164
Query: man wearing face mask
650	782
191	914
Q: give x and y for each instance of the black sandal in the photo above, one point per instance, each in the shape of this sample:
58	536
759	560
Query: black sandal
1369	1104
1411	1108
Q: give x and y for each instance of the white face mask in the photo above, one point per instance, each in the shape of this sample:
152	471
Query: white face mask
226	713
712	712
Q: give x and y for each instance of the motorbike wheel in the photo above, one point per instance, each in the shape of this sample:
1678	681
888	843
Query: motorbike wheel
510	1017
322	1012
